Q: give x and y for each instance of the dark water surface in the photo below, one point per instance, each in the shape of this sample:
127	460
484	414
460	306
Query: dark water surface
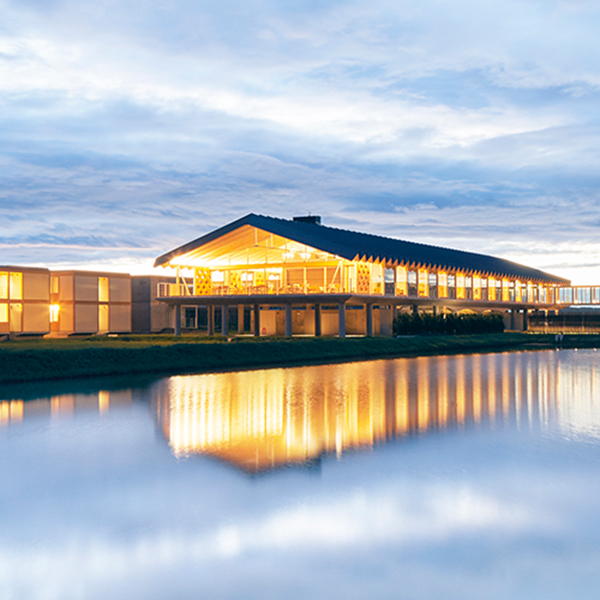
438	477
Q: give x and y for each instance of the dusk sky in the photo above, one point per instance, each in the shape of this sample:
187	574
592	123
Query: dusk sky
128	128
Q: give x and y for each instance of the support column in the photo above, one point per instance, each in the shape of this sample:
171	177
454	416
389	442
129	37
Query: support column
435	310
318	320
512	319
256	311
177	328
525	320
369	331
210	319
225	320
415	309
395	313
342	320
288	320
240	318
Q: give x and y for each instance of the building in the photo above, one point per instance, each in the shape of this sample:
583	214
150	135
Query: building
24	301
148	315
301	277
87	302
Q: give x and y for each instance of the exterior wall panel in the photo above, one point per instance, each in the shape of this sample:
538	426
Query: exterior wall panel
268	322
36	318
86	288
86	318
120	318
36	286
65	318
65	286
120	289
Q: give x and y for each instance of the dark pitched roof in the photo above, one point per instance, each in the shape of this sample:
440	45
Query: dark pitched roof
352	244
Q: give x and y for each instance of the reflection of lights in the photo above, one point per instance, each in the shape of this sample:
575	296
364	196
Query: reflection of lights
261	419
62	406
11	412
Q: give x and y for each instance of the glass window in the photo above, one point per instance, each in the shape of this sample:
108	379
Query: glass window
3	313
16	317
102	289
16	286
401	284
54	313
103	317
4	286
423	291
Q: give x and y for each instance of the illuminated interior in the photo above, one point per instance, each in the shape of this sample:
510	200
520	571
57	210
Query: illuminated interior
249	260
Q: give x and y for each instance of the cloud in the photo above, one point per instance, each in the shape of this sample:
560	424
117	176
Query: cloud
148	124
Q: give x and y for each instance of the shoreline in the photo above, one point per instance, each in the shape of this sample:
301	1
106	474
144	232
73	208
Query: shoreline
51	359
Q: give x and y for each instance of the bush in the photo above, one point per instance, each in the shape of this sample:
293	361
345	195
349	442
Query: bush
449	324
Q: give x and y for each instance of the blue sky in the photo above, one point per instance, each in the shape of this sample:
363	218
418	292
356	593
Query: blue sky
128	128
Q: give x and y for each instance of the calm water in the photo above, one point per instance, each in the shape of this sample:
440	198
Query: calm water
438	477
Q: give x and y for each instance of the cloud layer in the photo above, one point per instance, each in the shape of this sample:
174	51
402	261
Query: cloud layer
128	128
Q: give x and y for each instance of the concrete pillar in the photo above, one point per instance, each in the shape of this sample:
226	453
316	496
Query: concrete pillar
240	318
525	320
225	320
317	320
435	310
369	331
288	320
256	311
177	327
513	323
342	320
210	319
415	309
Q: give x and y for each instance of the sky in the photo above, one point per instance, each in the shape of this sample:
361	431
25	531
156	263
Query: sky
129	128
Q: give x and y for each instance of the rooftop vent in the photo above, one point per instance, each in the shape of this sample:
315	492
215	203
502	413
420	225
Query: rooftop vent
314	219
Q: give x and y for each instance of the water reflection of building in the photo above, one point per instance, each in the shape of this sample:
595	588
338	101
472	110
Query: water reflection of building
262	419
15	411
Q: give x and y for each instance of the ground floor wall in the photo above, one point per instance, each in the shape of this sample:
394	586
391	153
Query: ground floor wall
148	315
272	320
93	317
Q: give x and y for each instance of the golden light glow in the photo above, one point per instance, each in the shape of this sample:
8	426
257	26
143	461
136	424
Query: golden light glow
54	313
62	406
11	412
240	262
16	286
3	286
263	419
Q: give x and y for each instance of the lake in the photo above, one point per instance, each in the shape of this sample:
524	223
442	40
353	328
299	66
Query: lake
471	477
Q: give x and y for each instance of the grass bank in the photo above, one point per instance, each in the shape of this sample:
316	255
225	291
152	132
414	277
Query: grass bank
36	360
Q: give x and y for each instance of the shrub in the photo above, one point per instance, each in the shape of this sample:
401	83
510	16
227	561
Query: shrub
448	324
